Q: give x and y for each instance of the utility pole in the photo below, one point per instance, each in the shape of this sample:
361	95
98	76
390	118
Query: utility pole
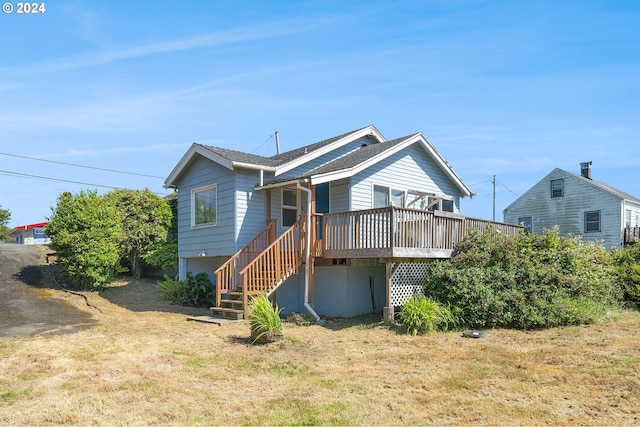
494	198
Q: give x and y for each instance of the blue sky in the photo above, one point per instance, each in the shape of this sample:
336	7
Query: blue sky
506	88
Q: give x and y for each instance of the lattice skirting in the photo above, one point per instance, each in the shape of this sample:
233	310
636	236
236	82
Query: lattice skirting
407	280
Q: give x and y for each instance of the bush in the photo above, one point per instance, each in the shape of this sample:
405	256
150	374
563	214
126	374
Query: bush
525	281
264	319
194	290
627	271
420	315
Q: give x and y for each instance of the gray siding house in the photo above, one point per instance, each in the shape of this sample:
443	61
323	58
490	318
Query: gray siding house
337	227
578	205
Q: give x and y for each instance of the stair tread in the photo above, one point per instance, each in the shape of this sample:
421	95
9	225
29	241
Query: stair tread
226	309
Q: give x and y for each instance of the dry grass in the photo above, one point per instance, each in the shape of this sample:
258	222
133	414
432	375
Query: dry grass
143	364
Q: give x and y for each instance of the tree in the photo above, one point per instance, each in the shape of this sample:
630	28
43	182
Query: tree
86	233
145	219
5	216
164	255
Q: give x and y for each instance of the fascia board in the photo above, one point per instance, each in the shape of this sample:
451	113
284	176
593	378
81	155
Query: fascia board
445	166
186	159
369	130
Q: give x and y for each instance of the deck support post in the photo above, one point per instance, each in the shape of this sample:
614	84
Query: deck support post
388	315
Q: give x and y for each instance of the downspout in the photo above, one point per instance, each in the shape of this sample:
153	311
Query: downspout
308	255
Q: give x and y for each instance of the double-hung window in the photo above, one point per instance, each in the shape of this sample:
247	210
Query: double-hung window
592	221
557	188
204	206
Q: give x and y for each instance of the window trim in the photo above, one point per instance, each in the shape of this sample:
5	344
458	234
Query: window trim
195	191
590	222
289	207
561	189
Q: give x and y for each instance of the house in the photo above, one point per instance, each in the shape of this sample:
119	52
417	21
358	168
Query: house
31	234
578	205
342	226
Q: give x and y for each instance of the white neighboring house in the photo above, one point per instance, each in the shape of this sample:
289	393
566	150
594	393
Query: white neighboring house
31	234
578	205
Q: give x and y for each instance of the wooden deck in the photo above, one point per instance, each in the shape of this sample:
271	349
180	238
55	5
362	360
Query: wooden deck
397	233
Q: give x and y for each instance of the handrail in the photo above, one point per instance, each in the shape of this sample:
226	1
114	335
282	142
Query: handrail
276	263
227	278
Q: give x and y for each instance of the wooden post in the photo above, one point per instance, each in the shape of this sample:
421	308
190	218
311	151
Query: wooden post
387	313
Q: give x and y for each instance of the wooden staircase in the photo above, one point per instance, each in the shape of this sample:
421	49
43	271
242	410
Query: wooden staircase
258	269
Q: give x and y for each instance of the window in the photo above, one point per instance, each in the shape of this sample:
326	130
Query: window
440	204
385	196
289	207
557	188
592	221
204	205
627	218
380	196
527	223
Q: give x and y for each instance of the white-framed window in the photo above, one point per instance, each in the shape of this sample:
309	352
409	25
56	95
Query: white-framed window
386	196
627	218
289	207
557	188
592	221
204	206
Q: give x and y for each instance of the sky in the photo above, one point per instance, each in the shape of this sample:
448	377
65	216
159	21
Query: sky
102	94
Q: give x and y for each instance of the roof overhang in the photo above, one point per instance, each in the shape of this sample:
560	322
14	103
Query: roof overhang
367	131
199	150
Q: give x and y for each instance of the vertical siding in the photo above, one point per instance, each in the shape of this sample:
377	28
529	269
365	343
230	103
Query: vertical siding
567	212
218	240
410	169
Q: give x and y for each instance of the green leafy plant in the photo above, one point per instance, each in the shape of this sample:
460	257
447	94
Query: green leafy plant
194	290
264	319
627	271
420	315
525	281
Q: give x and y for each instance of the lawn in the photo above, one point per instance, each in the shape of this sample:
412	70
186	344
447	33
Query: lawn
142	362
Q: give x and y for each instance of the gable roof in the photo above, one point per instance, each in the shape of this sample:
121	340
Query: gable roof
596	184
367	156
341	167
278	163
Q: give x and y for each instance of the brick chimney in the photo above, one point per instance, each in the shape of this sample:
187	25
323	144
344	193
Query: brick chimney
585	169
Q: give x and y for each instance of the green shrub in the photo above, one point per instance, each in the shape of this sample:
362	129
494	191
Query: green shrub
524	281
194	290
264	319
627	270
420	315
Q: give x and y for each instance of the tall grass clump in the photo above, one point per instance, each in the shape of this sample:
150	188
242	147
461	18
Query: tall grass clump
420	315
264	319
526	280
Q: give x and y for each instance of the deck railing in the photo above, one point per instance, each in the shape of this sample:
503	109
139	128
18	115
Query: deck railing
631	235
227	278
395	231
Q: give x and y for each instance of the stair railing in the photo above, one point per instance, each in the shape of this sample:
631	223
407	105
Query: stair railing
227	277
276	263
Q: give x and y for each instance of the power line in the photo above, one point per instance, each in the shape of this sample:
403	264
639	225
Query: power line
80	166
25	175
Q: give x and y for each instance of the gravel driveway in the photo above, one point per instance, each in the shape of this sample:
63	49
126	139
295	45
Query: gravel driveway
23	310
